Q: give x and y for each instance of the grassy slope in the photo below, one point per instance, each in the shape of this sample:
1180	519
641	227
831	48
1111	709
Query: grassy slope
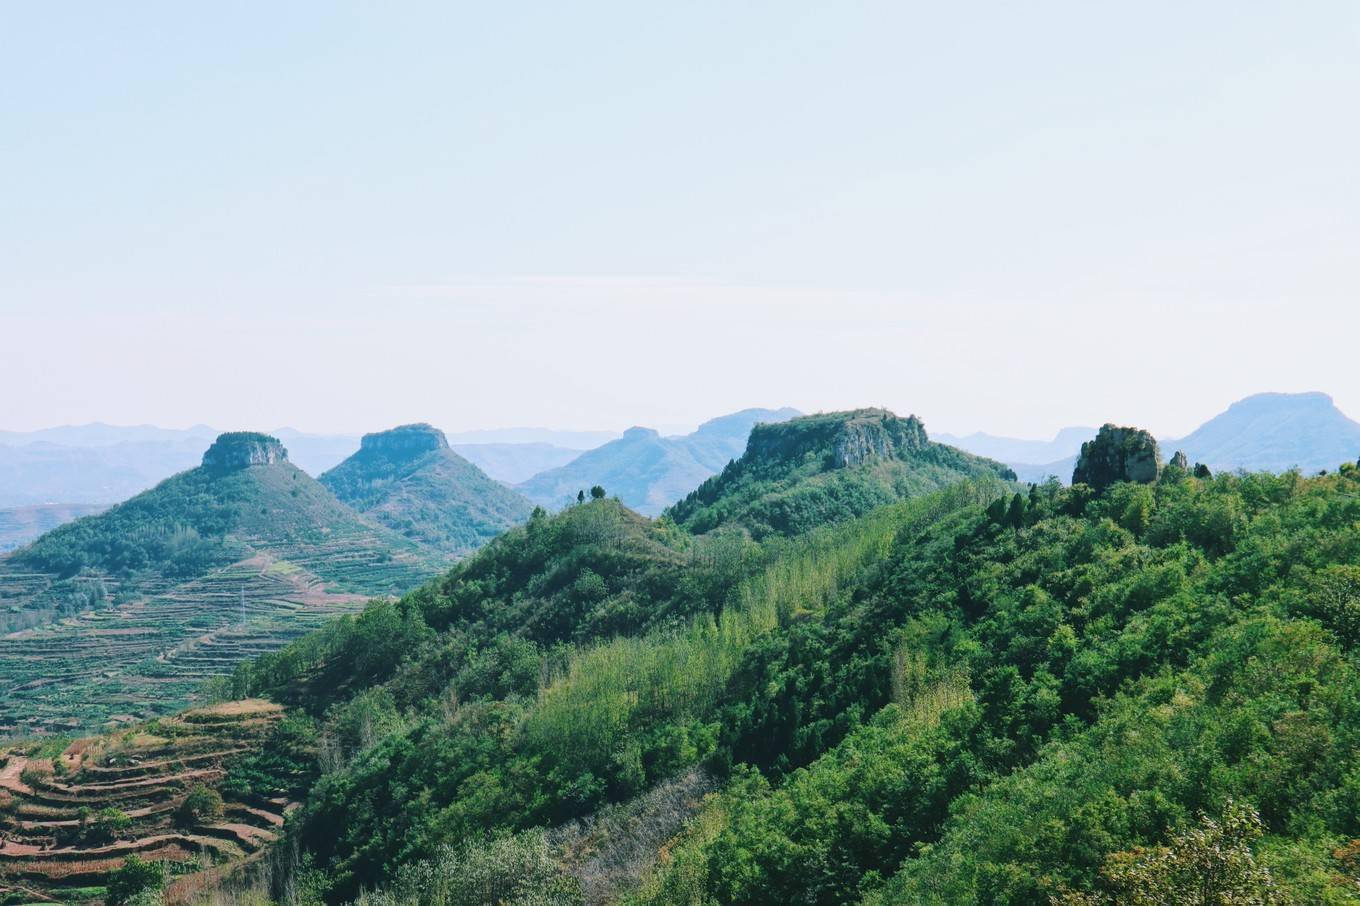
437	499
201	520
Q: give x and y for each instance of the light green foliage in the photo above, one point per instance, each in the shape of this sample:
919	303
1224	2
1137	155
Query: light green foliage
1209	865
511	871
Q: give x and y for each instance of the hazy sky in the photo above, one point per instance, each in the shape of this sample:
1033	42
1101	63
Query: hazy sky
1005	216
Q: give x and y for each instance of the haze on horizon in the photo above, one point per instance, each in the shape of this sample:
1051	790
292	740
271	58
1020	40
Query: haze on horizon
341	217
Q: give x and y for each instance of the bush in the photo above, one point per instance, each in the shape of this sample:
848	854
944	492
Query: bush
201	805
137	878
108	824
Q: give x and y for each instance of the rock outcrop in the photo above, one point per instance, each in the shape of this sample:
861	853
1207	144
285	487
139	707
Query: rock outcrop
404	442
1118	454
240	449
1179	461
849	439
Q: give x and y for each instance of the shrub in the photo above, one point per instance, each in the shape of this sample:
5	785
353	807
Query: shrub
134	880
202	804
107	825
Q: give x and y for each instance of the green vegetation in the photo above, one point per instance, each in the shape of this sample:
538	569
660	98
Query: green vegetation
205	518
971	697
1144	694
821	469
135	878
203	804
409	480
123	615
141	809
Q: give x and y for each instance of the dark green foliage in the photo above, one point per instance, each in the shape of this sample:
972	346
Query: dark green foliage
202	804
822	469
285	765
976	696
596	493
134	877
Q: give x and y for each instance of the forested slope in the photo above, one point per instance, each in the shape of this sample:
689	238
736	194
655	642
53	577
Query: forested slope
975	695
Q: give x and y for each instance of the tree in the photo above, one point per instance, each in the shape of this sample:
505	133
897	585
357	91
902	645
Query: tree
1210	865
108	824
580	496
202	804
597	493
134	877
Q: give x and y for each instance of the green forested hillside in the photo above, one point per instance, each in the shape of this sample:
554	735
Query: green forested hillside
970	696
411	482
820	469
124	614
206	518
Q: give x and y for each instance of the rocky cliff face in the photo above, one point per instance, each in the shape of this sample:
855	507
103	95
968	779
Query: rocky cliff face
240	449
404	442
1118	454
848	439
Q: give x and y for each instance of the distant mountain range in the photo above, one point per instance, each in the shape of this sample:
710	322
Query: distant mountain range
649	472
1265	432
514	463
1013	450
20	525
569	440
100	463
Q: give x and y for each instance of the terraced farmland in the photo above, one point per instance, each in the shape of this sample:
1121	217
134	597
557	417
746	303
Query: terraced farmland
150	657
70	813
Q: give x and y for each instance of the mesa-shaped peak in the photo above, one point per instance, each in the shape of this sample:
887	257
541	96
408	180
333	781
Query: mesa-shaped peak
405	441
240	449
845	439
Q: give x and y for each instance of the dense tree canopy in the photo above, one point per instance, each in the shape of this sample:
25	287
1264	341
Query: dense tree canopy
976	695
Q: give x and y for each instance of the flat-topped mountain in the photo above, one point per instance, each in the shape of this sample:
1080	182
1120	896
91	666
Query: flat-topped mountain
1274	432
245	499
825	468
409	480
217	563
239	449
647	471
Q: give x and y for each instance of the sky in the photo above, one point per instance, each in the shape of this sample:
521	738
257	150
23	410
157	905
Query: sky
998	216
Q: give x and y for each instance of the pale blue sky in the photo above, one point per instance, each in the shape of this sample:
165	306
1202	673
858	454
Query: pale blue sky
1010	217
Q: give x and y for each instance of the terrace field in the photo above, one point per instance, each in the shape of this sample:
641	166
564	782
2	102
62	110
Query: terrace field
151	656
72	810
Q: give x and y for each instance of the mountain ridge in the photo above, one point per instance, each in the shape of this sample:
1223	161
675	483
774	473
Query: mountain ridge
410	480
647	471
826	468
